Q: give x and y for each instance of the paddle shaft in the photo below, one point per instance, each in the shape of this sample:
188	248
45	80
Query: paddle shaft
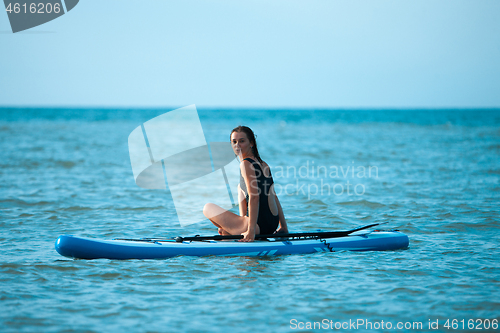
324	234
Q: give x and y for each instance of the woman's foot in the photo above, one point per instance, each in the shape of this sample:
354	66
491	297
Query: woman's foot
223	232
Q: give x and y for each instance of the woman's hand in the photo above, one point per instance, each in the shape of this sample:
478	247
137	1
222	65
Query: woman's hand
281	230
248	236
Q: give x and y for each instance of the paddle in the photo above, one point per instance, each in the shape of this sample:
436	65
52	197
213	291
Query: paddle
312	235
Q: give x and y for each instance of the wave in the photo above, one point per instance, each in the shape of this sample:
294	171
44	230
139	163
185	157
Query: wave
314	203
446	118
363	203
9	203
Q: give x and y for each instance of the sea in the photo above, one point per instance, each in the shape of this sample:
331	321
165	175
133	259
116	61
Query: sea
431	174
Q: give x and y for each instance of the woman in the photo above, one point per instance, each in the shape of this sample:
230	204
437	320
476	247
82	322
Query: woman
260	209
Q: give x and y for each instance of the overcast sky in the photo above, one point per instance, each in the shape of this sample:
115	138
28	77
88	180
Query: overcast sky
281	53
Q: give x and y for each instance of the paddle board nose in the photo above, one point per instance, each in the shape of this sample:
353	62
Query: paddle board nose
62	246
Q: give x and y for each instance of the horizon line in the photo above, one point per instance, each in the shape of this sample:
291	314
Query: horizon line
263	108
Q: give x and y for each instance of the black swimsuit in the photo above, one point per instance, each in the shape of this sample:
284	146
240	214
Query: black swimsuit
268	223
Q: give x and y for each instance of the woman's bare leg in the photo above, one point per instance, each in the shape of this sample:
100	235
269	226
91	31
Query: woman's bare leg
229	222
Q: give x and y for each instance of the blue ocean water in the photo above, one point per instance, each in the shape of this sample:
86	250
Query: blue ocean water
433	174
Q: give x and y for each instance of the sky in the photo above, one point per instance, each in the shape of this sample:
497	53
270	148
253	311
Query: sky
270	54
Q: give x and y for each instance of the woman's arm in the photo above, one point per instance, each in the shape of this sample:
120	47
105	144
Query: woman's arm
283	226
248	172
242	200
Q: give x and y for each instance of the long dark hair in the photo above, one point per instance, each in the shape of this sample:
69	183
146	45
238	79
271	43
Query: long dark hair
251	138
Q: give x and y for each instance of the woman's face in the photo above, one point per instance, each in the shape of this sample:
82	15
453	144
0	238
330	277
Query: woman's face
240	143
